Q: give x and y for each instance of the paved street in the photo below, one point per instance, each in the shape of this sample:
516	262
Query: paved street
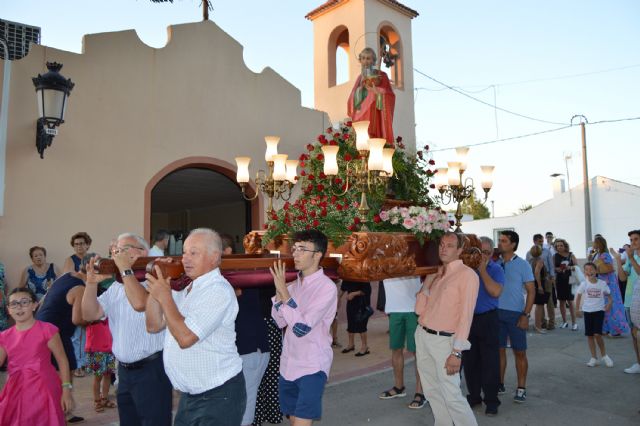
561	389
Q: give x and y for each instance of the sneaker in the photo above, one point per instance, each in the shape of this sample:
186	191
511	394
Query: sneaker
564	325
592	362
607	361
634	369
540	330
574	327
520	396
502	390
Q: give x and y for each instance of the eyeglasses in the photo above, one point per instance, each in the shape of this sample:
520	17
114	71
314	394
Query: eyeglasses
126	247
22	302
301	249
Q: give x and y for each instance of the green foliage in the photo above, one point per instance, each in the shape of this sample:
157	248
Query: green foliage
474	207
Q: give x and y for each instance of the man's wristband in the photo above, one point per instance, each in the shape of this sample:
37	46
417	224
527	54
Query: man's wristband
526	315
67	385
457	354
127	272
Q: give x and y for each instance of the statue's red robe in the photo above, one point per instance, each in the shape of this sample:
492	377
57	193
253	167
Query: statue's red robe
376	107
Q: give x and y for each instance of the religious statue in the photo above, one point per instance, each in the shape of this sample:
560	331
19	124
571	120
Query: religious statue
372	97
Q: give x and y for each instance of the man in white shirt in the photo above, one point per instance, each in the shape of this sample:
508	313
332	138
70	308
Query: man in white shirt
144	392
200	354
400	305
160	243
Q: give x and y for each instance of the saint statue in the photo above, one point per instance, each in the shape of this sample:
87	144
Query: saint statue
372	97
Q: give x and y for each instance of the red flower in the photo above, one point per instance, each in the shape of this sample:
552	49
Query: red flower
323	213
320	157
352	228
310	147
303	173
336	135
348	124
320	187
347	157
339	207
432	162
329	129
312	213
286	206
302	164
337	181
311	177
322	175
399	139
376	218
265	226
426	147
315	223
356	220
333	142
432	186
333	199
323	204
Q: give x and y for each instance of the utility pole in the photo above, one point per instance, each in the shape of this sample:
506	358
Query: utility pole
585	177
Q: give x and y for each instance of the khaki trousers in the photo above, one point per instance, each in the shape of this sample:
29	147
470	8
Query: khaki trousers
442	391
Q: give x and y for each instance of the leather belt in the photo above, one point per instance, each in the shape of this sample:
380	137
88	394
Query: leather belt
141	363
437	333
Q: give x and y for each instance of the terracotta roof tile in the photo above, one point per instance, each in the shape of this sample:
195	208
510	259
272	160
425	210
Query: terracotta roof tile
330	4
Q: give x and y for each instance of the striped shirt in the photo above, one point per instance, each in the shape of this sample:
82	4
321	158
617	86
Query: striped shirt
209	311
131	341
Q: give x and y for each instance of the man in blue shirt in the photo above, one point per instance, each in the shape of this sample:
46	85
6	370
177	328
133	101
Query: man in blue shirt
481	362
513	311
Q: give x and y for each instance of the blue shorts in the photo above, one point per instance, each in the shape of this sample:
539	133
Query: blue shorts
302	397
509	328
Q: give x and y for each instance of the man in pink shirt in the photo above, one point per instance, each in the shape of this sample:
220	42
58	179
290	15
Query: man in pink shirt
306	307
445	307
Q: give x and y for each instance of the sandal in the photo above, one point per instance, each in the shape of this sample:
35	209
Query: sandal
363	353
398	393
107	403
97	405
78	373
347	350
418	402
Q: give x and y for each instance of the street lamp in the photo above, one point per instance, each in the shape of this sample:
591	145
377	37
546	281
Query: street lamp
277	181
453	188
52	90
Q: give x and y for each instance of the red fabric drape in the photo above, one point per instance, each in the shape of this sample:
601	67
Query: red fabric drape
380	121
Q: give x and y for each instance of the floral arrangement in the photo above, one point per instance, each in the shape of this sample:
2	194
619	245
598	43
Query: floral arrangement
329	205
421	221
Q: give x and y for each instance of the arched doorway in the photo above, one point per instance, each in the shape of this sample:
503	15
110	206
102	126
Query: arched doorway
199	192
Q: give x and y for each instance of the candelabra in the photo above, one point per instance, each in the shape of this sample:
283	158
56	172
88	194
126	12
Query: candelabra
277	181
369	173
453	188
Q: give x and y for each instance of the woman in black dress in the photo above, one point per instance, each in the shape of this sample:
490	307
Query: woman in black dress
564	261
358	302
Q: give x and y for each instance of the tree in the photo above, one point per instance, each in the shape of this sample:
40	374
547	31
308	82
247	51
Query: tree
206	7
474	207
523	208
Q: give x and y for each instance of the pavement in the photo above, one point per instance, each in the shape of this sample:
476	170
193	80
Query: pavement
561	389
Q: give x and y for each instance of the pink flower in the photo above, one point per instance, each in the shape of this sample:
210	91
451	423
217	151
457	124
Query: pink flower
409	223
384	215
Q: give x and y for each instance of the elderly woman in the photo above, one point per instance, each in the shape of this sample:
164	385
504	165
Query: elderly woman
540	274
615	322
564	262
39	275
81	242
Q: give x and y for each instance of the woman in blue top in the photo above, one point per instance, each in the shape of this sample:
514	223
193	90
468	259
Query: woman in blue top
39	275
81	242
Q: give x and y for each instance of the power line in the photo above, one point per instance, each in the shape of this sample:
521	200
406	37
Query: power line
487	103
617	120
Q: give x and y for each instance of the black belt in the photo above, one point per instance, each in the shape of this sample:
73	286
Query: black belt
437	333
485	312
141	363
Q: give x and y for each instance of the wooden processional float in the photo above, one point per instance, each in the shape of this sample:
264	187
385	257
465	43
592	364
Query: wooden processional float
366	256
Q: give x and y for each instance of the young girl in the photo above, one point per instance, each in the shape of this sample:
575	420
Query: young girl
34	393
101	361
594	309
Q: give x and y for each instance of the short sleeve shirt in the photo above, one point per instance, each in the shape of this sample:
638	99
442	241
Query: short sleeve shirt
632	280
517	272
485	301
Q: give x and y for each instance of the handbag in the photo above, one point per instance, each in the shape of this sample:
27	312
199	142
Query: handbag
363	313
576	276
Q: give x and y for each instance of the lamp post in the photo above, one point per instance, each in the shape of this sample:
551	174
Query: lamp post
453	188
52	90
277	181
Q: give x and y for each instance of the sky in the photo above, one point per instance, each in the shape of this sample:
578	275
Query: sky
548	60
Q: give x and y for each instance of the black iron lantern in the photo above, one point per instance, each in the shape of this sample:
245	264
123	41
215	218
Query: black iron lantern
52	90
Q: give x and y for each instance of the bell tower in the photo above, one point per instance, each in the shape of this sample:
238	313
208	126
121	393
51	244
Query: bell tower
348	26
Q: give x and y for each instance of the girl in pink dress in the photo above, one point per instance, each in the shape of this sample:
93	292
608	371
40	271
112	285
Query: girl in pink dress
34	393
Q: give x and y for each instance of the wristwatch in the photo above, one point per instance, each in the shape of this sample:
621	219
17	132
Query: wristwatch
526	315
457	354
126	273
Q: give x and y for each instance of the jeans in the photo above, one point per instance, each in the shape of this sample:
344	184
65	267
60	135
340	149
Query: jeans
221	406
